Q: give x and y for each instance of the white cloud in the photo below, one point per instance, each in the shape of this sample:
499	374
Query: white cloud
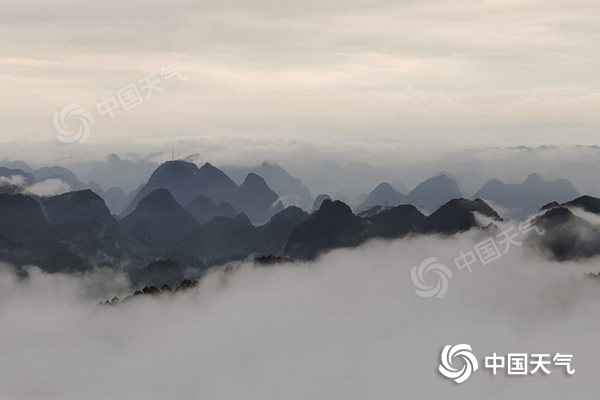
48	187
348	326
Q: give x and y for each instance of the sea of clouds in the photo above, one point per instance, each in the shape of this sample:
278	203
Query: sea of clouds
347	326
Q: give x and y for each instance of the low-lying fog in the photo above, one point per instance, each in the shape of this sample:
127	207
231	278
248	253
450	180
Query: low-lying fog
348	326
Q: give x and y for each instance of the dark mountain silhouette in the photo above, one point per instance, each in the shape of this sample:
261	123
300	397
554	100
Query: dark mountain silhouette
587	203
395	222
223	239
526	198
160	222
334	225
292	190
566	235
78	208
256	199
273	236
22	218
159	238
116	199
158	274
319	201
432	193
53	242
186	181
204	209
81	222
458	215
383	195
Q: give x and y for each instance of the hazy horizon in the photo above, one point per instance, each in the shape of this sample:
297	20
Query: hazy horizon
437	71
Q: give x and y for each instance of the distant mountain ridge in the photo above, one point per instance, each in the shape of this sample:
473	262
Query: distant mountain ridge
527	197
428	195
199	217
186	182
334	225
292	190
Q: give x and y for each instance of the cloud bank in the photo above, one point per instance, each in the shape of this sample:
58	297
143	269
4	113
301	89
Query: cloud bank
348	326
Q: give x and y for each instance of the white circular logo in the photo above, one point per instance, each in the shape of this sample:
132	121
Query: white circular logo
84	119
443	276
470	362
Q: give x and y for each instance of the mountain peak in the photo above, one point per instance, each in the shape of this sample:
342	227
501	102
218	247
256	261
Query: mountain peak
384	187
253	179
384	194
158	201
335	208
434	192
533	179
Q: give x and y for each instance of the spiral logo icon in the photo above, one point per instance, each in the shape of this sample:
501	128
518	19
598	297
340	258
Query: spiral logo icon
82	117
470	362
443	277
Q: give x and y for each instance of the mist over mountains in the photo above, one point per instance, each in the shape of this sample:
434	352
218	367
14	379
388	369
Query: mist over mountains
196	216
225	259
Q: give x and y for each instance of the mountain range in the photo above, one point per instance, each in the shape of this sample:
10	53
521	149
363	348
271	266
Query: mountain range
198	217
515	200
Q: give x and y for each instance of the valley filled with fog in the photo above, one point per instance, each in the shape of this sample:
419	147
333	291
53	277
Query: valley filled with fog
348	325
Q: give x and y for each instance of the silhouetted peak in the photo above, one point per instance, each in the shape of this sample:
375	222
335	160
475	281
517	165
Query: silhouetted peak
556	215
172	170
208	167
533	179
159	200
588	203
335	208
80	207
550	205
476	205
254	180
79	195
384	187
319	201
493	184
442	177
289	213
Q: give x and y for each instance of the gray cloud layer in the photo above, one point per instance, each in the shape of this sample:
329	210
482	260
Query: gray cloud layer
466	71
346	327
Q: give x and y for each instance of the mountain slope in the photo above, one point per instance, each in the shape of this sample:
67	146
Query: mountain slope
527	197
433	193
161	223
186	181
256	199
383	195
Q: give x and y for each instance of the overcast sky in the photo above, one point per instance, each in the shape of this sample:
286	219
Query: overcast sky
465	71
